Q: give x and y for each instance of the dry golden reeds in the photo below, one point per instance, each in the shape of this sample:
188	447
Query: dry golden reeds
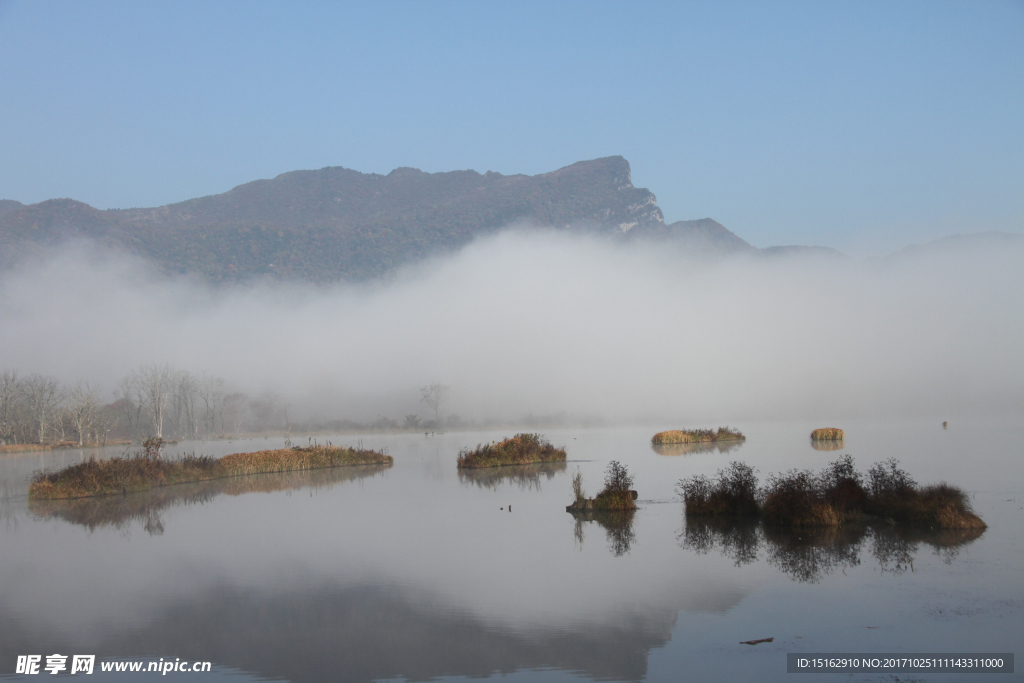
674	436
520	449
148	470
827	434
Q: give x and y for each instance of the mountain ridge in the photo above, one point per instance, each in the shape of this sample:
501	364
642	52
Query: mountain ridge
336	223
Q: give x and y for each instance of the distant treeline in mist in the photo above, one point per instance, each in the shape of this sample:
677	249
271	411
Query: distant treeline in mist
162	401
153	400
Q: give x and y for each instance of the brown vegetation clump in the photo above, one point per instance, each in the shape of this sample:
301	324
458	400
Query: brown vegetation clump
795	499
148	469
895	496
618	493
733	492
697	435
801	498
827	434
520	449
833	497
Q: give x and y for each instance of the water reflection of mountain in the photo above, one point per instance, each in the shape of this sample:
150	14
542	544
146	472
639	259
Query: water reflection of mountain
361	632
145	507
617	525
698	447
810	554
524	476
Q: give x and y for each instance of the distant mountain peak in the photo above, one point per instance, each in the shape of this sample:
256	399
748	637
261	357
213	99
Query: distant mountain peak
336	223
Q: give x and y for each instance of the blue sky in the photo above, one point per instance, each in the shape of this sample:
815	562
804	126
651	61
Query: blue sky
864	126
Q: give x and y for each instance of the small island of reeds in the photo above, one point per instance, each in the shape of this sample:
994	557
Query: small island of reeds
827	434
697	436
520	449
148	469
617	494
836	495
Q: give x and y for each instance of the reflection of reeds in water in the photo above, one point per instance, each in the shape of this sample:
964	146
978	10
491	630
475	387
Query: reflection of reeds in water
821	445
808	555
524	476
695	447
145	506
617	524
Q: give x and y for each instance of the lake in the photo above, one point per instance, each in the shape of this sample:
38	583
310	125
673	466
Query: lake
420	572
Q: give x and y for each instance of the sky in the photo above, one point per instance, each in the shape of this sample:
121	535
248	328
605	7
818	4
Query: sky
861	126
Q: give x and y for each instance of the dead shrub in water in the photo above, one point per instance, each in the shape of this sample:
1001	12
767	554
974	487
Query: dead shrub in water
887	480
796	498
733	492
577	486
827	434
895	495
940	505
949	506
520	449
697	435
801	499
618	491
842	486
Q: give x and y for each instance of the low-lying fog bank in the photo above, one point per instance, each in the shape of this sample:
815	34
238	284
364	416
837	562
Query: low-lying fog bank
549	323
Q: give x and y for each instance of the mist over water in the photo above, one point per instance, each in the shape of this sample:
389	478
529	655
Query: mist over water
543	323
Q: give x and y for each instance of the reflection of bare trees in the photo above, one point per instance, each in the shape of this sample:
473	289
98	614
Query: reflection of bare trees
145	507
524	476
695	447
810	554
896	547
736	538
617	525
832	445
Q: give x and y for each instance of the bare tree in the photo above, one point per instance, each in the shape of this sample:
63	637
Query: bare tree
9	406
42	396
267	408
83	407
435	395
234	410
155	384
106	419
185	399
130	402
211	392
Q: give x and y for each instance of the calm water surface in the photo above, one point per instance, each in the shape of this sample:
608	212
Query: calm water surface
417	572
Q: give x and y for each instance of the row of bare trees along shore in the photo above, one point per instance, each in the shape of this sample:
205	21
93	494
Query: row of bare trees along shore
152	400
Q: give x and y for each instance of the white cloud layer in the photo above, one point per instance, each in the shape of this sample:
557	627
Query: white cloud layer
543	323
